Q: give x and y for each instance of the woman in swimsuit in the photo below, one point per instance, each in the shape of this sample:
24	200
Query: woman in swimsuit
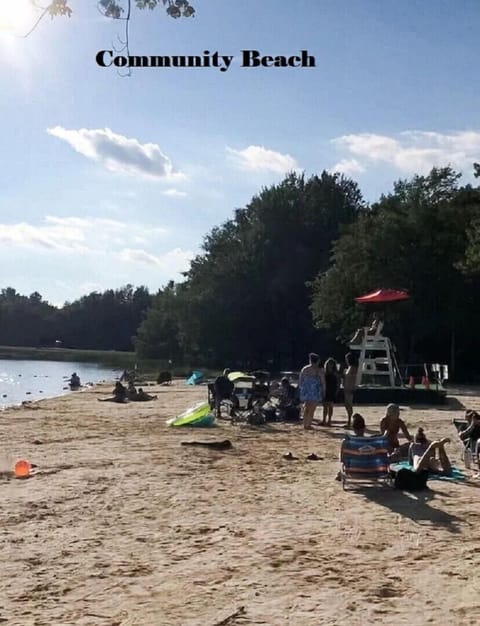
311	386
422	455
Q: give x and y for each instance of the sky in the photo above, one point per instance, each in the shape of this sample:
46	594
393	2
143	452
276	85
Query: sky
110	179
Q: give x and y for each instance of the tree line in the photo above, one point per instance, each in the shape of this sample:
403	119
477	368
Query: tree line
97	321
279	279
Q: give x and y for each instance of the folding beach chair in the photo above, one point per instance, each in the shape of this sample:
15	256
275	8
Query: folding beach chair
364	459
471	444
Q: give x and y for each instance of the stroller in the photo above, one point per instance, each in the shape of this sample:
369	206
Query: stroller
245	403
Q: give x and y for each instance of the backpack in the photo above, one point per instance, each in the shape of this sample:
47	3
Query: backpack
411	481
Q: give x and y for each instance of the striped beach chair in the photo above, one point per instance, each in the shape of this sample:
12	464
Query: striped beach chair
364	459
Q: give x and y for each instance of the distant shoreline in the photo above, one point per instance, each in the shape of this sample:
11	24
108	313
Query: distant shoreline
109	357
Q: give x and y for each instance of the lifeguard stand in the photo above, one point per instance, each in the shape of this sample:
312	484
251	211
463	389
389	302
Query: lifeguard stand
377	365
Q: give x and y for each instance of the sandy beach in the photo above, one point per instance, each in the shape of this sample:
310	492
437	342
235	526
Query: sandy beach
122	525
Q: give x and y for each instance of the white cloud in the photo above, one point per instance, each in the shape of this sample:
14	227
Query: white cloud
348	166
258	158
413	151
135	255
49	236
75	234
174	193
175	261
119	153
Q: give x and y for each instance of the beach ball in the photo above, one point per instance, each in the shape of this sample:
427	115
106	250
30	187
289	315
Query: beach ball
22	469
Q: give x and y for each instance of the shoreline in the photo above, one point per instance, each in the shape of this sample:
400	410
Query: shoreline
120	518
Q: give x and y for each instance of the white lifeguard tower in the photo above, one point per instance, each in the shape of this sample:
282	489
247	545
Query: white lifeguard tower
377	364
379	378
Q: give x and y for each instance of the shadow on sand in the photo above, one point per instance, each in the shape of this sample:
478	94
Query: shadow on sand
452	404
414	506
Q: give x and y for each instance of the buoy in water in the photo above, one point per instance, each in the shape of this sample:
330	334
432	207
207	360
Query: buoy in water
22	469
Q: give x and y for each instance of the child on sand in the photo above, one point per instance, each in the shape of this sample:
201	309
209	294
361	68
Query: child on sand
332	384
349	385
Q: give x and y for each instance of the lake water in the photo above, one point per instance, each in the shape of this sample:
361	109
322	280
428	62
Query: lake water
22	380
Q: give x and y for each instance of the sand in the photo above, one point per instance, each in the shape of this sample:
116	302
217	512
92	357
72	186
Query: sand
121	525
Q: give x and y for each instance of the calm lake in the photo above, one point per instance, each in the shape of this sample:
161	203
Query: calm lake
32	380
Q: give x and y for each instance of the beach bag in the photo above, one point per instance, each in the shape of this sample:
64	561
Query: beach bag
410	481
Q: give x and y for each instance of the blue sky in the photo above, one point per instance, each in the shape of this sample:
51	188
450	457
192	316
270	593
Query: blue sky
108	180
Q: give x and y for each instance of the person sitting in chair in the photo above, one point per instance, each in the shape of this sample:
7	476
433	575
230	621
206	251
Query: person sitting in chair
358	425
470	435
376	326
375	329
289	402
223	389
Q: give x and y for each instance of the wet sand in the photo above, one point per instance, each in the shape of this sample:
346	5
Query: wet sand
122	525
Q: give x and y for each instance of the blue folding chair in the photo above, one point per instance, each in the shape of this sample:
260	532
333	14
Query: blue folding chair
364	459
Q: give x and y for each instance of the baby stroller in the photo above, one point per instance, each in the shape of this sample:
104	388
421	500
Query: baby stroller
244	404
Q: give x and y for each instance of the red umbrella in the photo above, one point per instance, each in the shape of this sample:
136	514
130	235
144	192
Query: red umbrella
383	295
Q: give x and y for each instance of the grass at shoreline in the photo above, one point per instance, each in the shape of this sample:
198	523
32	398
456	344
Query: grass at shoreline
108	357
114	358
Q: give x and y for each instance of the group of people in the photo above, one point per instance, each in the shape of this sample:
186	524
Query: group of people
123	394
422	454
319	383
281	398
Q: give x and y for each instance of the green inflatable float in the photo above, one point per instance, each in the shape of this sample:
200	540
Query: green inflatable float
198	415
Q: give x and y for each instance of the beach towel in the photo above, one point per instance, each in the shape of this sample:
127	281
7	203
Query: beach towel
456	473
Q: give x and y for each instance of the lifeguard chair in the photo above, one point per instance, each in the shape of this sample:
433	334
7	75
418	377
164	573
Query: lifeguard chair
377	364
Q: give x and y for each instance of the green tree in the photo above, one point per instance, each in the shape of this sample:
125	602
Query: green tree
26	320
414	238
104	321
159	334
245	299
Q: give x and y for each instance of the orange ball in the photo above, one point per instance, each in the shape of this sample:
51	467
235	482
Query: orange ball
22	469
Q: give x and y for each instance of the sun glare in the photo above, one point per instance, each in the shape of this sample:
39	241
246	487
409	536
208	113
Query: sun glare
16	16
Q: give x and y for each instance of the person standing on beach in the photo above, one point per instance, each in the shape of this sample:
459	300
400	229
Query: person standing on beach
349	385
332	385
311	386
